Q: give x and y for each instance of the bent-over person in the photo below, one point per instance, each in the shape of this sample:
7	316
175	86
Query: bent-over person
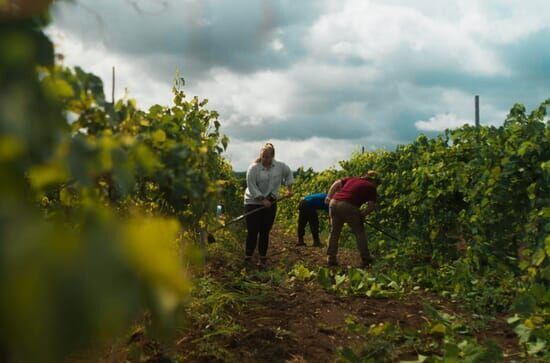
307	214
345	198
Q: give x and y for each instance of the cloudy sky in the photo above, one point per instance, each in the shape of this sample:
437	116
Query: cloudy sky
320	79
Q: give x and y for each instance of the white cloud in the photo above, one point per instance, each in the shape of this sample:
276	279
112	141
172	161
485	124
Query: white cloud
441	122
382	68
353	110
503	21
130	74
462	104
380	33
442	101
317	153
264	97
314	75
455	108
249	98
277	45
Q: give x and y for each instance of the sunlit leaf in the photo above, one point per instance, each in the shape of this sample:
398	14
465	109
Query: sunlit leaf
43	175
159	136
10	147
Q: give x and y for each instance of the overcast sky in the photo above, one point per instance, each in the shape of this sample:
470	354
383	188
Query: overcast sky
318	79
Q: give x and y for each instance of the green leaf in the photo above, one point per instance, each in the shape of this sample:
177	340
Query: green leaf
159	136
534	348
452	350
43	175
350	355
538	257
438	329
492	353
394	285
355	276
339	279
10	147
513	319
523	332
323	277
525	304
301	272
420	359
379	329
65	197
432	312
59	87
495	172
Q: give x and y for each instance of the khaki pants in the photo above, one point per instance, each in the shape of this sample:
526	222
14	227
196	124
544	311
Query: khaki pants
343	212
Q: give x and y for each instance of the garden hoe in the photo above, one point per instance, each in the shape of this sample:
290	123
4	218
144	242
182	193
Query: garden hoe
210	234
382	231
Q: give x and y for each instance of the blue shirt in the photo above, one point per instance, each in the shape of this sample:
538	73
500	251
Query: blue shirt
317	201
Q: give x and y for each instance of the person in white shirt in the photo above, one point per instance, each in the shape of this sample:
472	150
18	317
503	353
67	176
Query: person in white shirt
264	178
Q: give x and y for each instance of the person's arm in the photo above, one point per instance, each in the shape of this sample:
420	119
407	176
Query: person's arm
371	205
289	179
334	188
289	189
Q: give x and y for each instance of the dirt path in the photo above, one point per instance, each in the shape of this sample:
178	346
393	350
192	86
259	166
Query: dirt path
306	323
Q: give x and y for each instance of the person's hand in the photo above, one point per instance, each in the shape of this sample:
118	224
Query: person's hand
289	193
266	203
327	200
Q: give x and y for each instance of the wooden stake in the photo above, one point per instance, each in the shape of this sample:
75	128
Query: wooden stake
113	89
477	111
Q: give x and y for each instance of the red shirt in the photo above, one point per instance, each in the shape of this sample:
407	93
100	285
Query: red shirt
356	191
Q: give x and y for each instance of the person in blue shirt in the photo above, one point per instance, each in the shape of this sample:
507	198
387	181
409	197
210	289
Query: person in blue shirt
308	214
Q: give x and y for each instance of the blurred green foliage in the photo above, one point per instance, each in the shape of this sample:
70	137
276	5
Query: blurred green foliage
101	202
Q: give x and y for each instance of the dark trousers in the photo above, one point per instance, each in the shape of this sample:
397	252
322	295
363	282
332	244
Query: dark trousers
307	214
258	226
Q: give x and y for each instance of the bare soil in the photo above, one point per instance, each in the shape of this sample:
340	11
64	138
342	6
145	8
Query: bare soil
305	323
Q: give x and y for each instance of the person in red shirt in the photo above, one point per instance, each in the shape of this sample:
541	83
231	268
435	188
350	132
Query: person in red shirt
345	198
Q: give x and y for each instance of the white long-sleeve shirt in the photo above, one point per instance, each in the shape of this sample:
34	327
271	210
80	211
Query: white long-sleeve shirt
262	181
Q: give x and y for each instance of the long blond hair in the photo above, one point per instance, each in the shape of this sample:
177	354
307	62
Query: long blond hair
267	147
